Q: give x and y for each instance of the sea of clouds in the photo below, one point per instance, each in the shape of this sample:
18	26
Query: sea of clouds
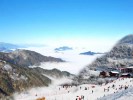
74	61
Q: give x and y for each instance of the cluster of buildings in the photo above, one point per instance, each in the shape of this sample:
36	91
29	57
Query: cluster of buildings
117	72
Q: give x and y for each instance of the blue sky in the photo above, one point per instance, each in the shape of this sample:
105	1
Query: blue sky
64	21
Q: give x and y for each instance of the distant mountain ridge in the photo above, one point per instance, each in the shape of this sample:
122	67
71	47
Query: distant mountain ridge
55	73
7	47
27	58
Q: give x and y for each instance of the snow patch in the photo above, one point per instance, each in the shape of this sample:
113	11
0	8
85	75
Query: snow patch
7	67
15	76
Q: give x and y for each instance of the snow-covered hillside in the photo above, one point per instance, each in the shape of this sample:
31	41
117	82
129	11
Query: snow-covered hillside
119	89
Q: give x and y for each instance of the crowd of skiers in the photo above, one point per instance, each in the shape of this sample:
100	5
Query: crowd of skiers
107	89
91	88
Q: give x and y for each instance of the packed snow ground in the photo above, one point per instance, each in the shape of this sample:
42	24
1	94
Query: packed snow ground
121	95
89	91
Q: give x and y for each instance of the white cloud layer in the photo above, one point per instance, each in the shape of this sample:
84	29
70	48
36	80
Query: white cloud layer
74	62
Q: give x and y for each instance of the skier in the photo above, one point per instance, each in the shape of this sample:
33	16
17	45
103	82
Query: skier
92	91
104	89
83	97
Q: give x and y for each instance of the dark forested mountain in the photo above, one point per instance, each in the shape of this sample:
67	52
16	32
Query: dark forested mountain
121	55
15	75
15	78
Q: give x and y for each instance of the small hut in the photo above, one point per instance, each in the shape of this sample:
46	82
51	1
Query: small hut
130	69
114	73
103	74
125	75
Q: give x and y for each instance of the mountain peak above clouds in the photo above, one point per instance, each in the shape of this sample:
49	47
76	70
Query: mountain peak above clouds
90	53
63	48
